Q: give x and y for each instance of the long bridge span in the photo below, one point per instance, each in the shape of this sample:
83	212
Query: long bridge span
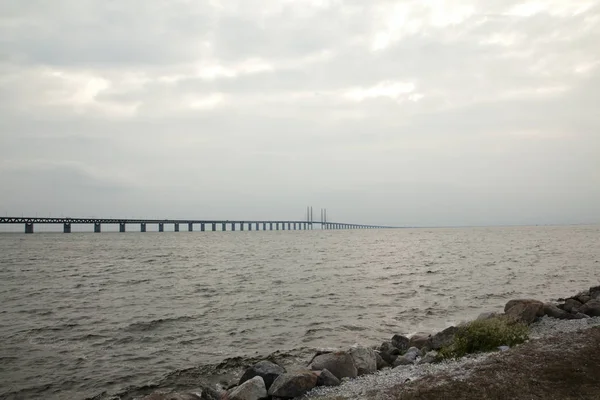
223	225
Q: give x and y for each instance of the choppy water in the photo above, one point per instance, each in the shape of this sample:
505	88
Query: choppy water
82	314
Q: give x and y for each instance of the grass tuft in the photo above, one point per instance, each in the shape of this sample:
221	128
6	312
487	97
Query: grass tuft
485	335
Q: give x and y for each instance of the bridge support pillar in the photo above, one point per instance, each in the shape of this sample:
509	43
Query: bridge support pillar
190	227
67	227
29	227
202	227
264	226
223	227
241	226
143	227
257	227
97	227
294	226
121	227
176	227
276	226
249	226
214	227
161	227
233	227
289	226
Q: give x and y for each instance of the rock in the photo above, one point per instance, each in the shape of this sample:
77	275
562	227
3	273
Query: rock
400	342
486	315
591	308
571	306
403	360
381	363
536	303
419	340
388	352
429	358
290	385
326	378
412	353
580	316
364	359
209	394
171	396
267	370
341	364
524	310
552	311
584	299
251	389
503	348
595	292
442	338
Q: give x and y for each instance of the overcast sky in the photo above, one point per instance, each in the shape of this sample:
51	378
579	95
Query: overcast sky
391	112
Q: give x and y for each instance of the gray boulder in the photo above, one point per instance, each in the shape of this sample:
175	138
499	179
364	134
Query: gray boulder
400	342
201	393
591	308
511	303
252	389
290	385
429	358
584	299
326	378
412	353
341	364
572	306
403	360
364	359
524	310
388	352
552	311
381	363
419	340
441	339
580	316
408	358
171	396
267	370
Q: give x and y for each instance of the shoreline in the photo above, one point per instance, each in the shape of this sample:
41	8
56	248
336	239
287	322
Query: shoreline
371	373
421	378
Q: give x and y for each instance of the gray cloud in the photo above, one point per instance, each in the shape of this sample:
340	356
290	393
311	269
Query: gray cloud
385	112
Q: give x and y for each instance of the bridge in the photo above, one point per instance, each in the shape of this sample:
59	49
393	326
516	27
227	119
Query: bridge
223	225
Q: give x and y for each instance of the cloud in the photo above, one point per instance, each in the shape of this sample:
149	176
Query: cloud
287	103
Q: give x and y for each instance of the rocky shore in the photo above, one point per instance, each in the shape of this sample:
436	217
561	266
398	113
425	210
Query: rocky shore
395	368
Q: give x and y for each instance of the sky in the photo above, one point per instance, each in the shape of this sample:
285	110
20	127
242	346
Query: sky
405	113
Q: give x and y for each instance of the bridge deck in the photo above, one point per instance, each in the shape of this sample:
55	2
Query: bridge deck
122	222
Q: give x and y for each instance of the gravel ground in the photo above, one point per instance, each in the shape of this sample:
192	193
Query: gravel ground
357	388
460	370
547	326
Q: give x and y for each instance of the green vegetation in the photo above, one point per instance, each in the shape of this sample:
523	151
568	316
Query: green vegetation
485	335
